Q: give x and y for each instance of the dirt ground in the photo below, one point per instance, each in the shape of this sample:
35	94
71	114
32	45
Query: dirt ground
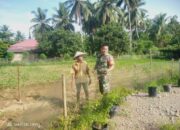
39	106
42	104
141	112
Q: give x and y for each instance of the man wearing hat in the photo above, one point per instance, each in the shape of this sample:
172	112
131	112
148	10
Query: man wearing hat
104	64
80	75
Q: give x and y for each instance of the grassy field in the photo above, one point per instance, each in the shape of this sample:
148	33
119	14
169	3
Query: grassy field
44	72
175	126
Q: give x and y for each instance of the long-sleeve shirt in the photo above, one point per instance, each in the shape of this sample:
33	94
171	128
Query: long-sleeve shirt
80	71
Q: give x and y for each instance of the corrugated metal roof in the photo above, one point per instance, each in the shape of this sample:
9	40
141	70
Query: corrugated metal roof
23	46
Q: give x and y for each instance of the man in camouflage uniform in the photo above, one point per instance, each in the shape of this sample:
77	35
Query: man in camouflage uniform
104	64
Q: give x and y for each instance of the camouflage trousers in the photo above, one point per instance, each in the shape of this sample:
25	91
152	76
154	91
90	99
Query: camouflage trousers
104	86
78	90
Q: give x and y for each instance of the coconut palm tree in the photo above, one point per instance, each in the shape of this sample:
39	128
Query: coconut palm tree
138	16
79	9
5	34
89	26
107	11
127	6
41	21
61	19
143	21
159	24
160	21
133	12
158	28
19	36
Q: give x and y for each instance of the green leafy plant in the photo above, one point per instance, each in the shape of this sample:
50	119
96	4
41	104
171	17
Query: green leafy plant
3	49
60	42
96	112
42	56
9	56
152	84
175	126
178	82
113	35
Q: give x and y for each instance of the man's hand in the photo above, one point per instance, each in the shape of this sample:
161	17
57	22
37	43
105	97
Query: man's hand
72	82
104	71
94	71
90	81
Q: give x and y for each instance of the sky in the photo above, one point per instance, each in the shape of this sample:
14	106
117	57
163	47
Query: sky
17	13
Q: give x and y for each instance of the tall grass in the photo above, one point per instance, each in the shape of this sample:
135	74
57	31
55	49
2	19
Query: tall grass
47	71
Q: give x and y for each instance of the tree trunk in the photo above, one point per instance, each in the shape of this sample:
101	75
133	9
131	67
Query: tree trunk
137	33
130	31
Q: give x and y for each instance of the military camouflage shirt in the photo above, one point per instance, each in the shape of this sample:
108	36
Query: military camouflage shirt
102	63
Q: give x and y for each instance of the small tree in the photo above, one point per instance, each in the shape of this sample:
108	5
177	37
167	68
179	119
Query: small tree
113	35
3	49
9	56
59	43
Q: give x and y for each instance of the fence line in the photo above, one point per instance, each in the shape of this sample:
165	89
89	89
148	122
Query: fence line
134	73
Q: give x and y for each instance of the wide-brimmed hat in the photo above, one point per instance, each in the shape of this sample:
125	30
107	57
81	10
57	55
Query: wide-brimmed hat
78	53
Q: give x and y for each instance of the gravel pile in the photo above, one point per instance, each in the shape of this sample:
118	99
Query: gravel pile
141	112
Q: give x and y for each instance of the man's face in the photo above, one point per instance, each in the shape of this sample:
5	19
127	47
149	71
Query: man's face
80	58
104	50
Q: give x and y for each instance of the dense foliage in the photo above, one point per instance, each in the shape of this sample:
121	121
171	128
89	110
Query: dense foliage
122	24
111	34
61	43
3	49
95	111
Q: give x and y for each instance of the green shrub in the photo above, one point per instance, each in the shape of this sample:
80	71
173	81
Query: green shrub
162	81
175	126
171	52
3	49
113	35
42	56
67	57
25	55
59	42
95	111
142	46
9	56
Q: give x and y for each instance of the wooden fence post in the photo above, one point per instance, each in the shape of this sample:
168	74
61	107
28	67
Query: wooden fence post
135	72
64	96
150	53
172	68
18	83
179	68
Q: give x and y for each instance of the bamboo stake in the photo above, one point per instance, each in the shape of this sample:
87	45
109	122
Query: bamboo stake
135	72
18	83
150	53
179	68
172	66
64	96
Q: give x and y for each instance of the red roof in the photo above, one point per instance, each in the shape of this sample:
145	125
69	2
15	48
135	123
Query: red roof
23	46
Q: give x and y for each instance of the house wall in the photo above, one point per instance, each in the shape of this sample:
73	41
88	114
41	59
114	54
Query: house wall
17	57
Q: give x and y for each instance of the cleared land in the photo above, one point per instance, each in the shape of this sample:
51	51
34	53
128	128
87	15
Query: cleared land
42	91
